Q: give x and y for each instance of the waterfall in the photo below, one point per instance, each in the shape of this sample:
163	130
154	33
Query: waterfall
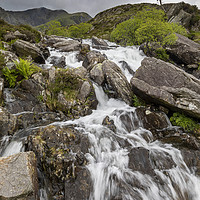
113	154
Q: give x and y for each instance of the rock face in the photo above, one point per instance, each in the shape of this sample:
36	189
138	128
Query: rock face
18	177
60	152
167	85
185	51
25	49
117	82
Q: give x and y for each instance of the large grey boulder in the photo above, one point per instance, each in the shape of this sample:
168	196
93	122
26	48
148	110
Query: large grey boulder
117	82
25	49
165	84
68	45
185	51
18	177
53	39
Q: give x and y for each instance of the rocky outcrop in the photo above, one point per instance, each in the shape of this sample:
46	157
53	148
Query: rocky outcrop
116	83
60	152
92	58
167	85
58	61
185	51
13	36
18	177
26	49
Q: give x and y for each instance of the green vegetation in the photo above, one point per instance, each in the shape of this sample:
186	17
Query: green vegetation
195	36
187	123
162	54
53	28
149	25
24	69
137	101
65	83
80	30
2	61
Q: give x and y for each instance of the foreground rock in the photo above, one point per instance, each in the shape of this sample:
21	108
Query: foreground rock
163	83
60	151
26	49
18	177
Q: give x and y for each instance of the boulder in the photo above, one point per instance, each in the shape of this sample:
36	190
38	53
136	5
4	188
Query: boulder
185	51
92	58
97	74
18	177
125	66
60	151
85	48
68	45
164	84
97	41
116	82
25	49
13	36
58	61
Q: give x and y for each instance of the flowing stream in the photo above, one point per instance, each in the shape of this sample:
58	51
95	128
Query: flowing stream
110	152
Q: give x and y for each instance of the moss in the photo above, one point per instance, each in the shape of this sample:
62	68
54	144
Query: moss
138	101
162	54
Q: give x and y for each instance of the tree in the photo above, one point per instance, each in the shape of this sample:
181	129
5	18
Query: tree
80	30
149	25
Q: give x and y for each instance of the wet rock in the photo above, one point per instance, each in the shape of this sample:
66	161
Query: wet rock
97	74
60	152
85	90
109	123
145	161
164	84
185	51
1	88
81	71
8	122
125	66
80	187
85	48
92	58
68	45
18	177
25	49
24	98
151	120
98	42
117	82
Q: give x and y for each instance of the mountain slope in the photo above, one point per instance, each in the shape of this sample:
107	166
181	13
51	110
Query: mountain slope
106	21
38	16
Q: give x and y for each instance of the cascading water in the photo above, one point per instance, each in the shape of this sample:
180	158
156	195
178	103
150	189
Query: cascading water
113	154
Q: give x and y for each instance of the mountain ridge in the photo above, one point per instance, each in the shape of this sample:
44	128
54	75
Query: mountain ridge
42	15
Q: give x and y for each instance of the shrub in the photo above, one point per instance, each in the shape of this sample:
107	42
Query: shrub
80	30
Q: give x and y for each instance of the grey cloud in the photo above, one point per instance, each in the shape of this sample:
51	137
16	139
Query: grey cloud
92	7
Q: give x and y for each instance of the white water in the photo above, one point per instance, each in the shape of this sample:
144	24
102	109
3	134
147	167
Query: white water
108	158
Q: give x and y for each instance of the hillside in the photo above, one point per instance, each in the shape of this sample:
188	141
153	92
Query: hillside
106	21
38	16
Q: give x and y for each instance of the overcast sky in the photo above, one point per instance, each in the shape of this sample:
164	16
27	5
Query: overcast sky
92	7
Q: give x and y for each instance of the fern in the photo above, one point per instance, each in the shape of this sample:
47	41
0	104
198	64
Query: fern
10	76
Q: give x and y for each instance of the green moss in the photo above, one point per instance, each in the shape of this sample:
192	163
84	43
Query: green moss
162	54
138	102
187	123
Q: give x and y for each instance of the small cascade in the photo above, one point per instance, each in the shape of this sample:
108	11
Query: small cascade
125	162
